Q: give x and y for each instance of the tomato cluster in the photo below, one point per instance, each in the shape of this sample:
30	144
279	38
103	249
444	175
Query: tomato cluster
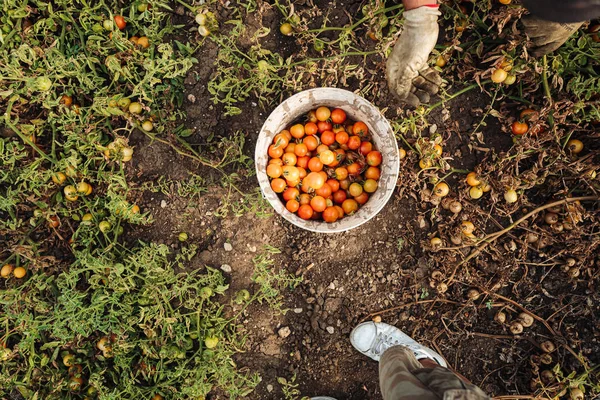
325	168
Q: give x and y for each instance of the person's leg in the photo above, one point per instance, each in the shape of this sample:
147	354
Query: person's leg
396	379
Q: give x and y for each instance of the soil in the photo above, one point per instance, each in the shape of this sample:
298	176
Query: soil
349	277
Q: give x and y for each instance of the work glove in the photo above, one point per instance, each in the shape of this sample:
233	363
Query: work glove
547	36
408	74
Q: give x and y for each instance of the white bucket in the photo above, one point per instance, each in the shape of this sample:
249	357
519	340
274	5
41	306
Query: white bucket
358	109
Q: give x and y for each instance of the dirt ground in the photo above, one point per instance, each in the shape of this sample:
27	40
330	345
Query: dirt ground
351	276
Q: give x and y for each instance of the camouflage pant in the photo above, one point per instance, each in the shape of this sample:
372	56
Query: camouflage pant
402	377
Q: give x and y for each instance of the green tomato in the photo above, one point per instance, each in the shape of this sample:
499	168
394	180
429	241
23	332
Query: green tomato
104	226
206	292
211	342
135	108
510	79
97	28
286	29
108	24
182	237
242	296
124	102
263	66
142	7
43	83
383	21
147	125
319	45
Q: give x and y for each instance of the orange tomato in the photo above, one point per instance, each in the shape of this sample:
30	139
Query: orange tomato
289	159
528	113
519	128
349	206
374	158
366	148
290	148
290	193
324	126
327	157
274	171
362	198
324	191
292	205
276	161
311	116
345	184
354	169
341	173
318	203
291	173
275	152
297	131
353	142
338	116
287	134
281	140
311	142
300	150
330	214
334	184
373	173
321	148
315	165
314	180
304	199
355	189
360	129
302	172
278	185
340	211
342	137
323	113
305	211
328	138
310	128
120	22
302	161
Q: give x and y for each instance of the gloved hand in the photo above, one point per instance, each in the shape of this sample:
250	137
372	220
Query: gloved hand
408	75
547	36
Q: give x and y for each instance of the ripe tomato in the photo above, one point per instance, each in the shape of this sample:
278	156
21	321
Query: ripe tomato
287	134
281	140
340	211
276	161
324	126
275	152
373	173
519	128
290	193
120	22
499	75
345	184
328	138
278	185
374	158
340	155
338	116
330	214
338	128
362	199
342	137
527	114
360	128
355	189
354	168
353	142
291	173
339	196
473	179
321	148
143	42
300	150
53	221
312	116
290	148
315	165
310	128
316	216
349	206
302	162
324	191
370	185
305	211
366	148
314	180
334	184
324	175
297	131
323	113
341	173
311	142
292	205
66	100
327	157
302	172
304	199
318	203
289	159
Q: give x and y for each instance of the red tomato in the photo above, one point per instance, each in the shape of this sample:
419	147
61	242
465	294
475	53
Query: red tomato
328	138
366	148
353	142
302	162
304	199
318	203
311	142
324	126
292	205
374	158
324	191
305	211
120	22
338	116
350	206
310	128
330	214
315	165
354	169
519	128
360	129
297	131
340	212
316	216
334	184
300	150
339	196
342	137
373	173
362	199
290	193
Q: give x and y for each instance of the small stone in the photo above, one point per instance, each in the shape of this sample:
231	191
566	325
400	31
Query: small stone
191	98
226	268
227	246
332	286
330	329
163	204
251	248
284	332
269	388
297	310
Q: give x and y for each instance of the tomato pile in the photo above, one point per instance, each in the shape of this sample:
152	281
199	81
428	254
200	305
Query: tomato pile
325	168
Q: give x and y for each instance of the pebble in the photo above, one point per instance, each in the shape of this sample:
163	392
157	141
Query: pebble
228	246
330	329
251	248
297	310
284	332
163	204
226	268
269	388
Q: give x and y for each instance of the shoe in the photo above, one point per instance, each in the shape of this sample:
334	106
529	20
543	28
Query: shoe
373	338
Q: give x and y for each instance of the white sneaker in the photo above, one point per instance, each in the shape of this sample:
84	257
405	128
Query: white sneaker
373	338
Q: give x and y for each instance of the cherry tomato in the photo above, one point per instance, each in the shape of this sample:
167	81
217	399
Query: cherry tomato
499	75
300	150
66	100
120	22
374	158
302	172
297	131
305	211
339	196
354	169
355	189
290	193
292	205
345	184
353	142
575	146
314	180
278	185
341	173
334	184
323	113
290	148
324	191
275	152
340	211
327	157
519	128
315	165
342	137
287	134
311	142
281	140
373	173
366	148
527	114
360	128
53	221
324	126
328	138
338	116
302	162
289	159
286	29
143	42
318	203
312	116
311	128
330	214
370	185
304	199
362	198
321	148
291	173
276	161
349	206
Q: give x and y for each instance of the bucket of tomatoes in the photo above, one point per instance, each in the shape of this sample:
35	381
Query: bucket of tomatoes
327	160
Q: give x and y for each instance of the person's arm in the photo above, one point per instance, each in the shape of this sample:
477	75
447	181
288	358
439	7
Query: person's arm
564	10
